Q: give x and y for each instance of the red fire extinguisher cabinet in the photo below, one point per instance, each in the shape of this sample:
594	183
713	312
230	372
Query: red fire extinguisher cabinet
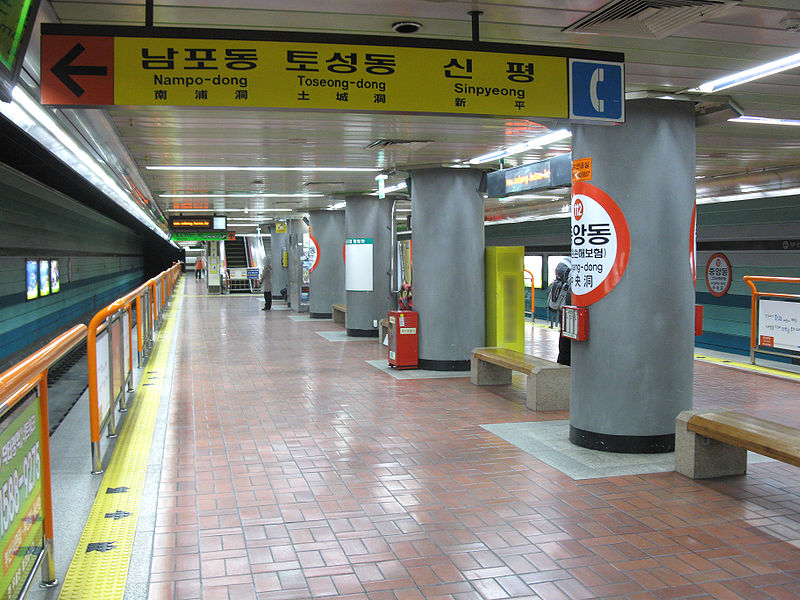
403	344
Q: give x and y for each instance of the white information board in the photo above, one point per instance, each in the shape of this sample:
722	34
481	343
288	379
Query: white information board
103	375
358	264
779	324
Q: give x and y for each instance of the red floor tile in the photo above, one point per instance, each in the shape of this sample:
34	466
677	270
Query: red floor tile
293	469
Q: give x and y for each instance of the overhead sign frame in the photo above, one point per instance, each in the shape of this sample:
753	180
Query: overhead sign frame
546	174
87	65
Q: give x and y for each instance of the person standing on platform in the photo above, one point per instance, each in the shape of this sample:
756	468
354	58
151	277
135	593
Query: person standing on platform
559	294
266	283
198	268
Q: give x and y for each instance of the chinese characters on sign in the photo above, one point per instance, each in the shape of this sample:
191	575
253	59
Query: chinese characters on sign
719	274
600	244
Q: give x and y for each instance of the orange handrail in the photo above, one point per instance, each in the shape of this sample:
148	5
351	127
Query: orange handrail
95	324
14	384
751	280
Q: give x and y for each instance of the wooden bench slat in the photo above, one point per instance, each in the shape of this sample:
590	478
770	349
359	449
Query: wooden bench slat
511	359
745	431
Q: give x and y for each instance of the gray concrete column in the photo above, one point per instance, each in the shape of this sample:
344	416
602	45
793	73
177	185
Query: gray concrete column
448	273
327	279
634	374
295	228
280	274
369	218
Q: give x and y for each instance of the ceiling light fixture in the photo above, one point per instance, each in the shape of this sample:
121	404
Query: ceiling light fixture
765	121
750	196
537	142
770	68
39	123
393	188
529	197
226	210
225	168
337	206
306	195
406	27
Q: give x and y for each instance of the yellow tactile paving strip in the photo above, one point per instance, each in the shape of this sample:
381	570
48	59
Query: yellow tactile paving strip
748	367
99	568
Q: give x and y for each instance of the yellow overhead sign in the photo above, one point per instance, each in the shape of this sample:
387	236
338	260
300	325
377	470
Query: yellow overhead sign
94	67
151	71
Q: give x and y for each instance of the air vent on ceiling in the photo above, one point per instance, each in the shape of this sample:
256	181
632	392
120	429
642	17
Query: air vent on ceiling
648	18
409	145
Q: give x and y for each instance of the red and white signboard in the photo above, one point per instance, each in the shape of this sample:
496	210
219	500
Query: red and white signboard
601	244
316	253
719	274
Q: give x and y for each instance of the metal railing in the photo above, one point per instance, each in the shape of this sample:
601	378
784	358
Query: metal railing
109	350
25	475
781	323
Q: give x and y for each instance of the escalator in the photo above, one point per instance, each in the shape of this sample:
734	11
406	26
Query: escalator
236	262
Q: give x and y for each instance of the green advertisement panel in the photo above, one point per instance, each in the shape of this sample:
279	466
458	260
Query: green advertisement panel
21	517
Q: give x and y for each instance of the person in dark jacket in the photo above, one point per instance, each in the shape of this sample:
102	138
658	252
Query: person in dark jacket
559	293
266	284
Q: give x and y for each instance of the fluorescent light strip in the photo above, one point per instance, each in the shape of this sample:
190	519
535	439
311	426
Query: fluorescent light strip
765	121
770	68
228	210
312	195
795	191
537	142
395	188
529	197
309	169
26	113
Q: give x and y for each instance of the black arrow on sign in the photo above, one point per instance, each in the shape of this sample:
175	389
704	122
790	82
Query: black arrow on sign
100	547
120	514
64	70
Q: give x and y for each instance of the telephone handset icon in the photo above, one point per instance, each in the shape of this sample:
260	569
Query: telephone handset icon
597	77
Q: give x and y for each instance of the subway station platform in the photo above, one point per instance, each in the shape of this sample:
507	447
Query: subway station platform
284	465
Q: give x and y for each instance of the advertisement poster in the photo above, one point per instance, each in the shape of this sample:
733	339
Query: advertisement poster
103	376
21	526
44	278
32	279
117	366
55	277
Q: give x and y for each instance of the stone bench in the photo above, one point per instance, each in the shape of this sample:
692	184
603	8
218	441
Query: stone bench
548	382
715	443
338	312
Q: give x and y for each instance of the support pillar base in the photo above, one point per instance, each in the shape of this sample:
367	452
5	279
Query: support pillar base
627	444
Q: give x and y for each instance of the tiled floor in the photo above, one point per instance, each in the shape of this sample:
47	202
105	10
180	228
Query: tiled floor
294	469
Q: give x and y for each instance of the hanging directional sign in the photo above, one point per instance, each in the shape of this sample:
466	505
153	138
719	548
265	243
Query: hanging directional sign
85	66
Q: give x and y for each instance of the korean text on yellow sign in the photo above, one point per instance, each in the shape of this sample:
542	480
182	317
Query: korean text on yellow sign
337	76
